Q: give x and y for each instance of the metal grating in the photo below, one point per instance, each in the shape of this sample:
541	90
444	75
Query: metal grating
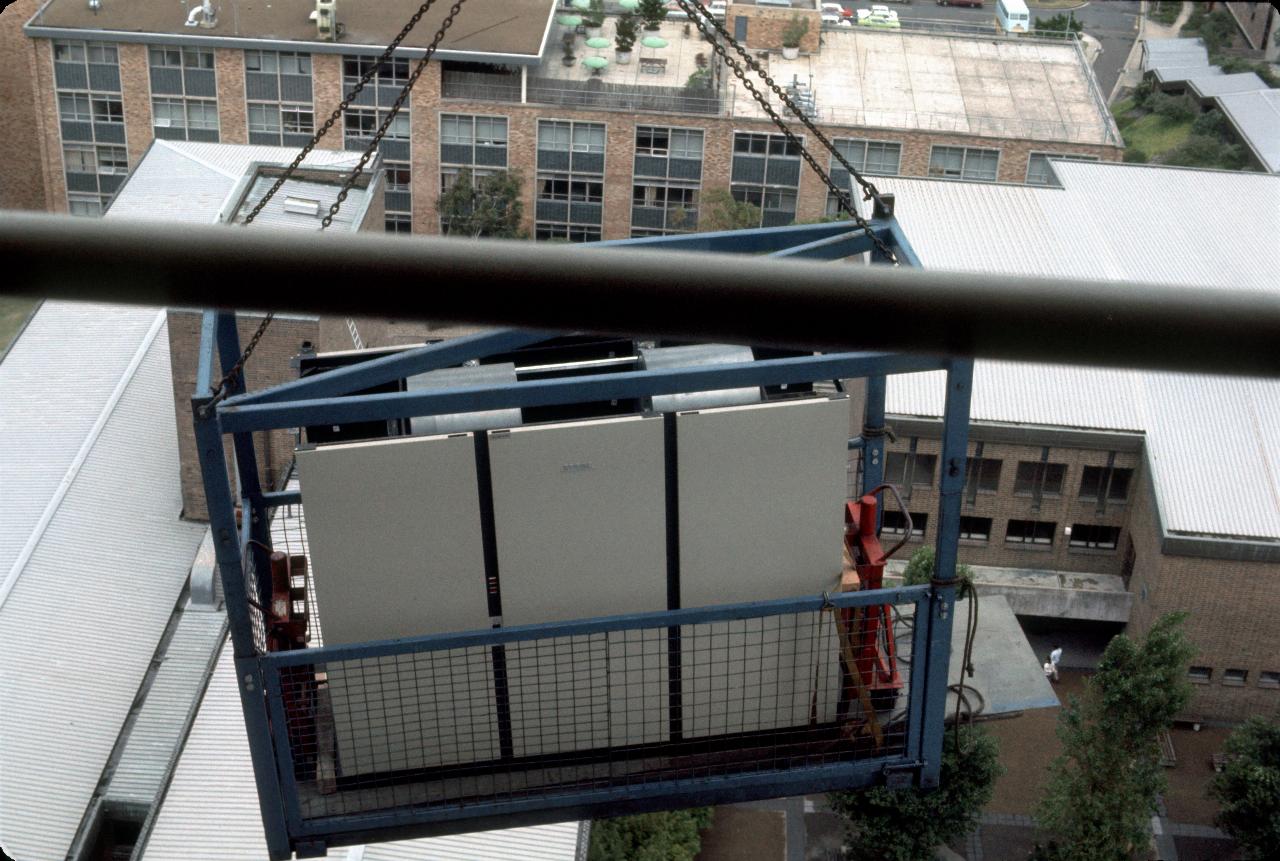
549	711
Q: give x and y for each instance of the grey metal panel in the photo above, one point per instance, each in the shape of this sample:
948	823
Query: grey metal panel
586	213
648	216
588	162
456	153
73	131
777	218
109	132
170	133
261	85
104	77
295	139
109	182
62	716
580	522
82	181
398	201
686	168
71	76
387	96
647	165
203	135
491	156
551	210
265	138
479	375
747	168
365	98
166	82
783	172
397	150
394	528
295	88
200	82
552	159
693	355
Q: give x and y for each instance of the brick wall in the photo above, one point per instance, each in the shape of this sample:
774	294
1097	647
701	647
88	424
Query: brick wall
1232	607
135	84
22	179
326	92
766	26
228	65
1257	21
1063	510
55	180
268	366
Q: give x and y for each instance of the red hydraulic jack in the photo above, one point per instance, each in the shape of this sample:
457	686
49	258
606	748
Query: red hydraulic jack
287	622
866	633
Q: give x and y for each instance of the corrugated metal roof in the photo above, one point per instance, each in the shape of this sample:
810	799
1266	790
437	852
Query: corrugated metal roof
1200	430
153	740
210	812
1174	52
1219	84
1177	74
277	214
189	182
84	612
1256	117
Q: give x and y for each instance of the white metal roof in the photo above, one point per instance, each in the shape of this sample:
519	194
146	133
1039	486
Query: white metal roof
190	182
1128	224
1171	53
1256	117
1218	84
92	554
210	812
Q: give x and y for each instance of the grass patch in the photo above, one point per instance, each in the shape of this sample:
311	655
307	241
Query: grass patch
13	313
1155	135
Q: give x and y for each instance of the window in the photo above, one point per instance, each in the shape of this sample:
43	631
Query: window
398	179
264	118
563	136
564	187
1235	678
280	107
1268	679
197	58
766	174
261	61
181	58
895	523
985	473
107	109
1096	537
653	141
85	204
202	115
907	469
74	107
553	135
871	157
668	142
68	52
360	122
1036	477
570	182
1040	173
1199	675
398	222
1099	481
465	131
1030	532
297	120
571	232
102	53
80	159
955	162
588	137
168	113
975	528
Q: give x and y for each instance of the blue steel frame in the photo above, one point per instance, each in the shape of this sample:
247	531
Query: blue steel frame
326	399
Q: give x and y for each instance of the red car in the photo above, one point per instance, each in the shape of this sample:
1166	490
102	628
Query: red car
970	3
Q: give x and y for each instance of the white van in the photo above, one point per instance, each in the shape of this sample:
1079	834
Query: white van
1012	16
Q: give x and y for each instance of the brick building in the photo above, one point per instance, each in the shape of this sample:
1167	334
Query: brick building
22	179
624	153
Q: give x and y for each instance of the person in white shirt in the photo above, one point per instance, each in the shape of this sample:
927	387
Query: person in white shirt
1048	670
1055	657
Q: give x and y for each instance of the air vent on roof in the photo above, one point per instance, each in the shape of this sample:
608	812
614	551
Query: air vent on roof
326	17
203	16
302	206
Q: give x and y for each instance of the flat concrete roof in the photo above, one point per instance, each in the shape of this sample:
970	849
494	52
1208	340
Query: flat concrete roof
999	88
497	27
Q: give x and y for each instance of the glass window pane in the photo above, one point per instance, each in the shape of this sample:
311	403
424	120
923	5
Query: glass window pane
73	107
883	158
68	52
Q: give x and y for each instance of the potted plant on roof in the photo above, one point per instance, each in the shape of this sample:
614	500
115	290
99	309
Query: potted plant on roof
568	41
625	37
593	20
652	11
793	36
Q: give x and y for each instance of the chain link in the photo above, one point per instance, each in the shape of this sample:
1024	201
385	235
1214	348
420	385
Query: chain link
701	21
221	390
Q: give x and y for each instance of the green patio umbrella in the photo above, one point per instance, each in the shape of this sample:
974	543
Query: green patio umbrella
580	4
595	63
597	42
629	5
654	42
569	20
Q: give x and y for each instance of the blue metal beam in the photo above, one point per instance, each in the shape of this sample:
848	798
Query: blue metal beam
830	248
898	239
629	622
873	443
374	372
604	387
208	344
753	241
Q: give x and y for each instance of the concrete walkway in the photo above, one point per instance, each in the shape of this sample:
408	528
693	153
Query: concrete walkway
1131	75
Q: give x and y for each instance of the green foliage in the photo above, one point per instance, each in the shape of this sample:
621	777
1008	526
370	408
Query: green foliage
1212	124
1216	28
653	12
1060	26
1135	155
625	32
594	16
673	836
920	569
795	32
1103	786
720	211
1248	789
1235	65
1165	12
906	824
699	80
1205	151
485	206
1176	109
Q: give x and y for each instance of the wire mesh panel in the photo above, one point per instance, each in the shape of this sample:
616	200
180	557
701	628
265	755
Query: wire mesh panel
546	712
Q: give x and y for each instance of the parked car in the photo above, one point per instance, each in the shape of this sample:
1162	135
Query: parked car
878	20
835	9
884	11
718	8
972	4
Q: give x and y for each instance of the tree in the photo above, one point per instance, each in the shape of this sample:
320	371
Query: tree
721	211
625	34
653	12
1248	789
907	824
483	206
1103	786
1060	26
673	836
921	567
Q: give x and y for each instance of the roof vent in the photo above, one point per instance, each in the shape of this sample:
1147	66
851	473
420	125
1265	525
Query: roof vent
326	18
94	6
203	16
302	206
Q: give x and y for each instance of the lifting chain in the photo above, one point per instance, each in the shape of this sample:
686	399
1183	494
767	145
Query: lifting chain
220	391
701	18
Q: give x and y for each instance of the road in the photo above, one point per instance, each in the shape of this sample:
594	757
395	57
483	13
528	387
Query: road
1114	24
